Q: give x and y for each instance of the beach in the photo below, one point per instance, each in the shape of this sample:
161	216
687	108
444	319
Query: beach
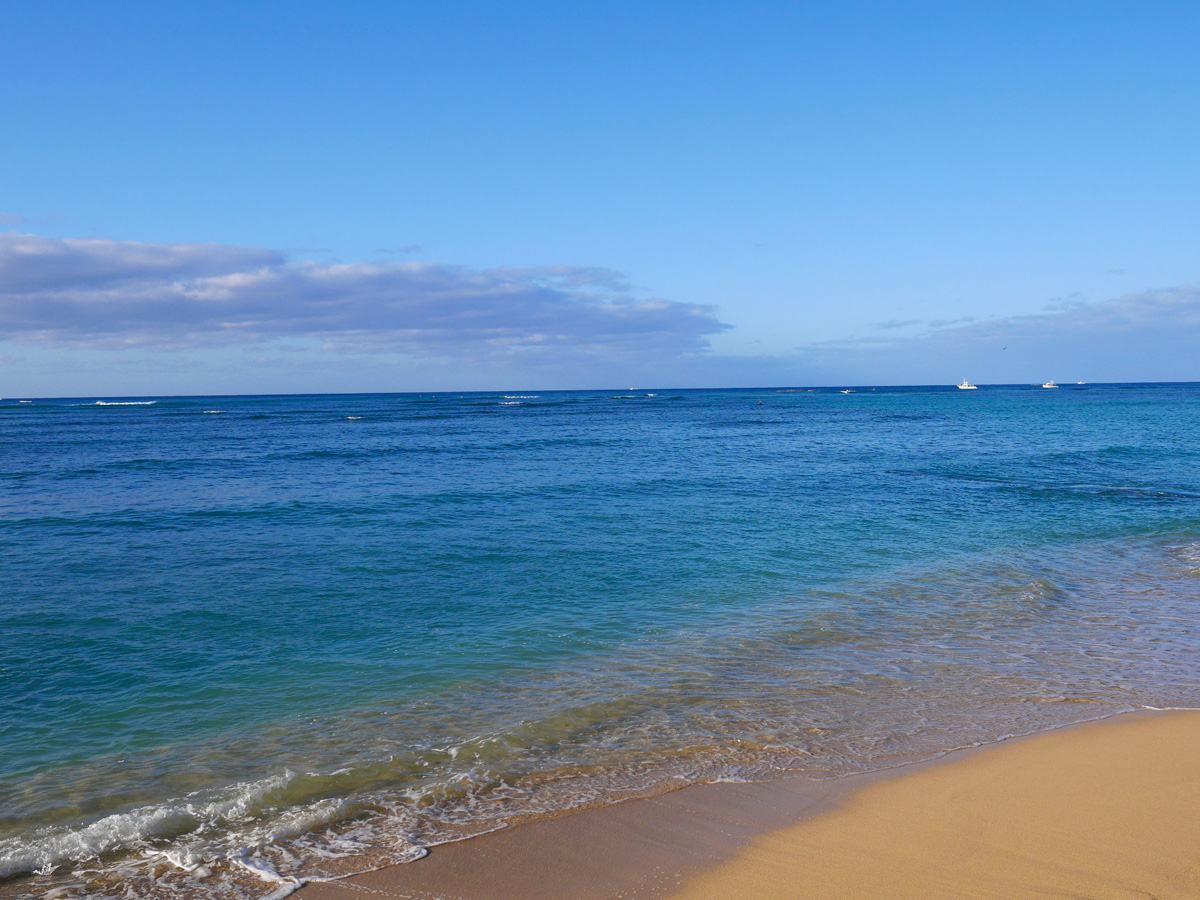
1105	809
285	640
638	452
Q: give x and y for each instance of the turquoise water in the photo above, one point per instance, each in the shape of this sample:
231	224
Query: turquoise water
246	641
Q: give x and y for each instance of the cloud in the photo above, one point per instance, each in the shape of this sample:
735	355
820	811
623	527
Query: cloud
55	270
105	293
10	219
207	317
1174	309
1148	335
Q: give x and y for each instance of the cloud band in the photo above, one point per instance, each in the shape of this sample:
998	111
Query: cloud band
120	293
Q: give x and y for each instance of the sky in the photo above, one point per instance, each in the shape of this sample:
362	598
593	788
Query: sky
269	198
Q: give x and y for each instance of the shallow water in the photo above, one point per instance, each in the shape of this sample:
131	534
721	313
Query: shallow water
259	638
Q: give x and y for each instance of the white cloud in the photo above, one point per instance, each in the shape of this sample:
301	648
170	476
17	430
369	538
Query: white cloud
1151	335
233	313
104	293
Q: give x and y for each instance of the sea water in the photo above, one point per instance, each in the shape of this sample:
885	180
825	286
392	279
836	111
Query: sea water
249	641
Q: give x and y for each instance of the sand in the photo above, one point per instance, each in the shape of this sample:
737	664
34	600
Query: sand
1105	810
641	849
1111	810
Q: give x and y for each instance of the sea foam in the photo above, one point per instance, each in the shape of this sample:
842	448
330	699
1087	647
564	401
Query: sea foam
47	848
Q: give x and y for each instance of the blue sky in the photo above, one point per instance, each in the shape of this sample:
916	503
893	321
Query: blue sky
293	197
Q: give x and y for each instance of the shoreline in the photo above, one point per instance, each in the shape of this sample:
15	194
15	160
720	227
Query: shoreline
730	840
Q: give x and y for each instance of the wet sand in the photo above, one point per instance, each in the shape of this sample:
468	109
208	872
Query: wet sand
1106	810
639	849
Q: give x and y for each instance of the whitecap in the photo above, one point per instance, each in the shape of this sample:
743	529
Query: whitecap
54	845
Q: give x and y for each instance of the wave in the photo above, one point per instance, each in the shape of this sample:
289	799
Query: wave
123	403
1066	488
50	847
236	829
1189	555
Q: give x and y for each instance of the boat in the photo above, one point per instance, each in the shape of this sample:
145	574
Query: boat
847	391
967	386
1049	384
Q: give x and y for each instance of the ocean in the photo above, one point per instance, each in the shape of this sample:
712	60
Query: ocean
251	641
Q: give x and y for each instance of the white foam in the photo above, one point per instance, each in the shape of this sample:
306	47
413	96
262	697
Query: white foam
285	890
510	402
521	396
183	858
1190	554
261	868
124	402
353	418
288	885
19	856
53	846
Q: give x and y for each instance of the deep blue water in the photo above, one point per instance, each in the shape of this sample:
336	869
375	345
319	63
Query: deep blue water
252	629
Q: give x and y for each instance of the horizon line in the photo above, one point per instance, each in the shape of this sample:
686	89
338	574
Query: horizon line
433	393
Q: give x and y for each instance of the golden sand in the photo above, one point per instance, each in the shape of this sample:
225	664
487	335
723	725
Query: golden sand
1109	810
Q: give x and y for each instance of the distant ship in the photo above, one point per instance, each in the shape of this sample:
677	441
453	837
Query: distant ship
967	386
1049	384
847	391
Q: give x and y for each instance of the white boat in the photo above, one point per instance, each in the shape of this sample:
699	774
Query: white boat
967	386
847	391
1049	384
